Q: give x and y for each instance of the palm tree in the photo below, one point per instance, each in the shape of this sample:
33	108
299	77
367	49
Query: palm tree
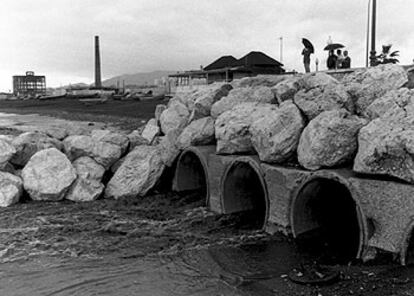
386	57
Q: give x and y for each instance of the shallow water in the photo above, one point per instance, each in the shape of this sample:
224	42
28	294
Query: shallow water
215	271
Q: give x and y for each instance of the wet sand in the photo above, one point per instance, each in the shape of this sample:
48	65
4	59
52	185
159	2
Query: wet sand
127	115
163	244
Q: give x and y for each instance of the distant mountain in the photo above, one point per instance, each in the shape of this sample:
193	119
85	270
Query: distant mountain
74	85
137	78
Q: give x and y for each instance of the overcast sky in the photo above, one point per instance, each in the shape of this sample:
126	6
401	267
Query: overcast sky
55	38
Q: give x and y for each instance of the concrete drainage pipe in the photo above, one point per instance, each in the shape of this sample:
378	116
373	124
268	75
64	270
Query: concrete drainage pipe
326	219
191	173
243	190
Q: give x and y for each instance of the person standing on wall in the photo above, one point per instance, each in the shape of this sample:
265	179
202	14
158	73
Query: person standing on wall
346	63
331	62
339	59
306	59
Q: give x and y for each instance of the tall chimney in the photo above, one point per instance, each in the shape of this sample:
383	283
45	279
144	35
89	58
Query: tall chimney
98	82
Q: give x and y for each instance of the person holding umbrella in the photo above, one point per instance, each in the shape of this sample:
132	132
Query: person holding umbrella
332	58
306	52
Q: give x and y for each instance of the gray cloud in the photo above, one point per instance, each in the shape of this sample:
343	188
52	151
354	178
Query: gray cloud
56	37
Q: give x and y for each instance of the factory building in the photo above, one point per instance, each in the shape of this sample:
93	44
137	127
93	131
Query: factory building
29	85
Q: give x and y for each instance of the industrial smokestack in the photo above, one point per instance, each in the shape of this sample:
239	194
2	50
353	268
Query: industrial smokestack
98	82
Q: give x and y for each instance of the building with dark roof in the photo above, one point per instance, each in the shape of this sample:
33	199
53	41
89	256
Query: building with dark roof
223	62
227	68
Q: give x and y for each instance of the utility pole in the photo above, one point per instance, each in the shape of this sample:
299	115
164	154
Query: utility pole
373	33
281	49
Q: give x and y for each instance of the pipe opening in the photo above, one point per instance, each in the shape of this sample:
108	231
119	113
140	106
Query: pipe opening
325	221
191	175
244	193
409	253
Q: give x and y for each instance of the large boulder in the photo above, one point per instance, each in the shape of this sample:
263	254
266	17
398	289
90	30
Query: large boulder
48	175
176	116
316	80
205	100
287	88
111	137
329	96
237	96
59	133
11	189
386	145
392	100
138	173
8	138
367	85
78	146
135	139
7	151
199	132
27	144
151	130
158	111
260	80
88	168
232	127
106	153
103	153
84	189
168	147
275	136
329	140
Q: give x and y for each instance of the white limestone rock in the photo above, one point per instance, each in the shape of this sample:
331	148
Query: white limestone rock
115	138
138	173
85	189
7	151
392	100
198	132
104	153
232	128
151	130
135	139
386	145
275	136
205	99
287	88
259	80
27	144
237	96
168	147
158	111
330	140
367	85
48	175
176	116
87	168
11	189
314	101
58	133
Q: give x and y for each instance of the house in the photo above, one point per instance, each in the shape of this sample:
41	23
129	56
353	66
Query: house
227	68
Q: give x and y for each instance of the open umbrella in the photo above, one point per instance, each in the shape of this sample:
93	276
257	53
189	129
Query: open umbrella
333	46
308	45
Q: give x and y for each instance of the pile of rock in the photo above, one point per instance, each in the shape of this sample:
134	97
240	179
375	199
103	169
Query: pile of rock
365	120
313	120
53	169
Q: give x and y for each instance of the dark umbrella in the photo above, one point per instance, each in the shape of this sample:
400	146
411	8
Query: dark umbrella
308	45
333	46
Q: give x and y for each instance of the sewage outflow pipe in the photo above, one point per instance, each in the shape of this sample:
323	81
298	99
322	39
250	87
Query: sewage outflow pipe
243	189
326	210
